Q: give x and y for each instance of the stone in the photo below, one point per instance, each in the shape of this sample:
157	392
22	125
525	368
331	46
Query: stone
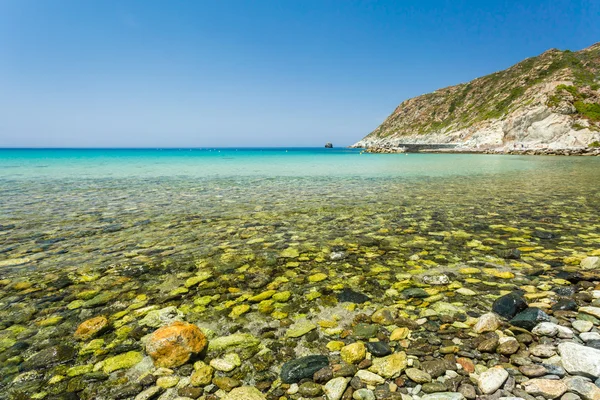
383	316
565	305
487	323
353	353
587	390
300	328
369	378
533	370
439	279
390	366
545	329
235	341
589	336
151	393
589	263
580	360
91	327
227	363
379	349
468	391
549	388
582	326
529	318
121	361
417	375
543	350
334	389
466	364
365	331
507	345
164	316
489	343
443	396
310	389
594	311
303	367
363	394
173	345
399	334
226	383
414	293
436	368
166	382
50	356
491	380
245	393
509	305
202	376
350	296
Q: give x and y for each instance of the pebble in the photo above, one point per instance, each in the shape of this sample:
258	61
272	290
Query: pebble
334	389
363	394
417	375
550	389
492	379
582	326
580	360
487	323
369	378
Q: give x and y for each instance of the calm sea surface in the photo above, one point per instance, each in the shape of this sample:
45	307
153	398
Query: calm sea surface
89	232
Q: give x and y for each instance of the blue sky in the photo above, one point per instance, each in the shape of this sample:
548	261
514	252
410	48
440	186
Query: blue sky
151	73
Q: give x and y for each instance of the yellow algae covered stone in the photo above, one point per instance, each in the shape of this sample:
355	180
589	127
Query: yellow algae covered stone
122	361
499	274
353	353
335	345
282	297
399	334
262	296
239	310
317	277
390	366
469	271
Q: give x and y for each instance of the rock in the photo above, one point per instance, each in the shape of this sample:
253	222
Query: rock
529	318
91	327
164	316
414	293
589	263
589	336
468	391
226	383
436	368
399	334
492	379
300	328
467	364
443	396
235	341
151	393
227	363
543	350
50	356
310	389
390	366
121	361
245	393
350	296
489	343
363	394
383	316
353	353
417	375
379	349
434	387
580	360
582	326
173	345
594	311
166	382
369	378
365	331
439	279
545	329
303	367
334	389
328	145
509	305
533	371
565	305
202	376
507	345
587	390
549	388
487	323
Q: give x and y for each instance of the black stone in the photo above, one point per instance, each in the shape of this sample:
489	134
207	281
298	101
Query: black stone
509	305
565	305
594	343
350	296
529	318
379	349
564	291
544	235
510	254
303	367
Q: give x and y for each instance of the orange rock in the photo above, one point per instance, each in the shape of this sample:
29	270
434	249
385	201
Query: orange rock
87	329
173	345
466	364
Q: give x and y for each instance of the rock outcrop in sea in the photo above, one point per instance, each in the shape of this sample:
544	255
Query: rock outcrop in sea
548	102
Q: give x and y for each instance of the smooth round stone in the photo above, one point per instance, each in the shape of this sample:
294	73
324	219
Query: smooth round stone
310	389
487	323
334	389
545	329
351	296
507	345
549	388
582	326
417	375
533	371
491	380
353	353
509	305
434	387
166	382
304	367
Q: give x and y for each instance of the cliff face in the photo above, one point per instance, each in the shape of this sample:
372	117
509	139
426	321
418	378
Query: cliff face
548	101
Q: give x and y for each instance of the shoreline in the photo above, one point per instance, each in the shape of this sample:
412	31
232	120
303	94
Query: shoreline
589	151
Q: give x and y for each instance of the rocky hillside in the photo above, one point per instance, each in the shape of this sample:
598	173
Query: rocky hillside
548	101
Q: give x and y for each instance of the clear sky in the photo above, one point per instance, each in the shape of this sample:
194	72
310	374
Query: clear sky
147	73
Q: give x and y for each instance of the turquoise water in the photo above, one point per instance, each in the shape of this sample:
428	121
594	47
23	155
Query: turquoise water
279	162
122	232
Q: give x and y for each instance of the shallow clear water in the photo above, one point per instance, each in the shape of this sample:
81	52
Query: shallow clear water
136	224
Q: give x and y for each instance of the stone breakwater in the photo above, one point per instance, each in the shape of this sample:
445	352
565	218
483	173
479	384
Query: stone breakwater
540	339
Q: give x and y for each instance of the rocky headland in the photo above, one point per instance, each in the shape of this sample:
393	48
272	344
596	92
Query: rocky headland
546	103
